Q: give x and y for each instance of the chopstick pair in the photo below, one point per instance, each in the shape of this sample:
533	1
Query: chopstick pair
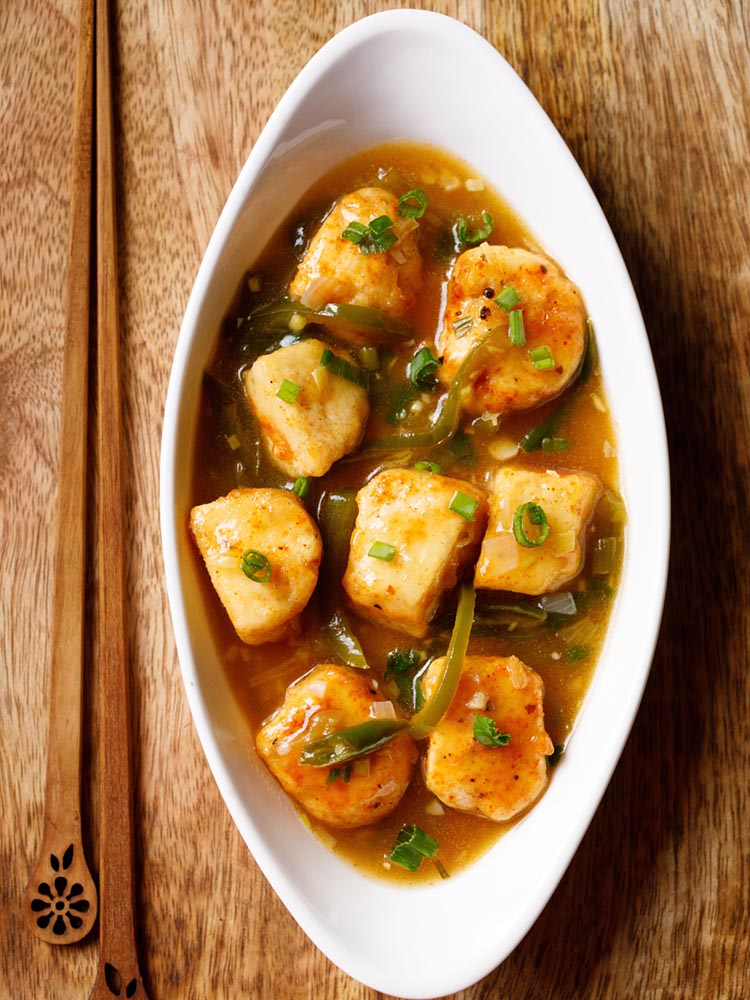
60	902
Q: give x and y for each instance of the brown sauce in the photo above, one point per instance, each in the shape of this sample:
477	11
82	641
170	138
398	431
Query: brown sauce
259	675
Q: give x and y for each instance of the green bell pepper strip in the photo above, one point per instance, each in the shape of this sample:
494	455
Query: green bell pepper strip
337	316
344	642
355	741
438	703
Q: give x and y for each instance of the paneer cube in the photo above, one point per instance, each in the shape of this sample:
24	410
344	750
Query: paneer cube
493	781
309	417
324	701
265	598
567	499
415	533
336	270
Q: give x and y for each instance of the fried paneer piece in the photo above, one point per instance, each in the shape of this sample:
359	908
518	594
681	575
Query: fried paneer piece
496	782
327	699
275	524
568	500
410	511
336	270
307	432
554	316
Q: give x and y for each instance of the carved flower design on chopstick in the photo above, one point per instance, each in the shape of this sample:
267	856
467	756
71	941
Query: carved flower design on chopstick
60	902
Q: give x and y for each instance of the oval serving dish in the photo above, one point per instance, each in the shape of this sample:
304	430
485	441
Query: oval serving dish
430	940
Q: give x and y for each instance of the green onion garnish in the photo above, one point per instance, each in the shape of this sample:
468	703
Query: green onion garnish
422	369
288	391
516	330
533	438
463	505
382	550
555	444
468	237
462	326
428	467
343	773
413	204
375	237
536	516
343	368
412	846
487	733
352	742
355	232
508	298
605	556
301	487
256	566
541	358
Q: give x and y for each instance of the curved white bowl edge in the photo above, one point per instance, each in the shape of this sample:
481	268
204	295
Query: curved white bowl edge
451	960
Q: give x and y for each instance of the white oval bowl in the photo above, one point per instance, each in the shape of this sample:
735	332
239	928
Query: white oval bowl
428	78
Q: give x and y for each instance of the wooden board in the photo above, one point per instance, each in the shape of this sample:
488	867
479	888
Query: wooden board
653	100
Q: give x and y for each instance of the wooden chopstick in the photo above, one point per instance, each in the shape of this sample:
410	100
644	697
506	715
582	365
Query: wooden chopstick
118	972
51	907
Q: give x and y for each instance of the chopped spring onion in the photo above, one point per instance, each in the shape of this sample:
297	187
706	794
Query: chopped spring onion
344	773
605	556
555	444
541	358
412	846
344	642
256	566
355	232
301	487
352	742
288	391
422	369
432	467
382	550
532	440
462	326
464	505
516	331
487	733
445	689
413	204
369	358
467	237
343	368
536	516
375	237
508	298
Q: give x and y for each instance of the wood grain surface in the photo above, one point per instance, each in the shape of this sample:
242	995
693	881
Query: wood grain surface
653	98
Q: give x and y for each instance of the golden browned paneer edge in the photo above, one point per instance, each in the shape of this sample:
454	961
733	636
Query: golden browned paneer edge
323	422
327	699
410	510
505	379
568	500
496	782
335	270
274	523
